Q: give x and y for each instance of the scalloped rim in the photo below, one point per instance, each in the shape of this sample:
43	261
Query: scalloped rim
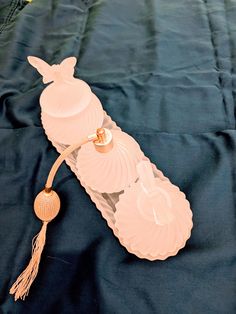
176	247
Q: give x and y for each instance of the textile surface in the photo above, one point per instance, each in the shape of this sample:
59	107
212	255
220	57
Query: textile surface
165	72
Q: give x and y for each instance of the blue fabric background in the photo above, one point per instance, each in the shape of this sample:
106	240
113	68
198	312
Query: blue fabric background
165	72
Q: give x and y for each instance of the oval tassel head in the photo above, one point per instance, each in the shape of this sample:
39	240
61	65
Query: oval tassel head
46	207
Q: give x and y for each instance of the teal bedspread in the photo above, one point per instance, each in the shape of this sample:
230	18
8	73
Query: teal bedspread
165	72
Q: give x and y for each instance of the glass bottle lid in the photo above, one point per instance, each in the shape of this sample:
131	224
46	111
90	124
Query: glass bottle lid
66	98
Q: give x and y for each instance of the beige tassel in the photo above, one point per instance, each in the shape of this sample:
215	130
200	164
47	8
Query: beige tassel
46	207
22	285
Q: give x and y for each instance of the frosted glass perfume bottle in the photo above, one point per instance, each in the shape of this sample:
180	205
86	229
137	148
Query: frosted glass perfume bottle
153	217
70	110
113	169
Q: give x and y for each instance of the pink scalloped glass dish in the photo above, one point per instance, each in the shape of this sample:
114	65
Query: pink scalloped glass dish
157	223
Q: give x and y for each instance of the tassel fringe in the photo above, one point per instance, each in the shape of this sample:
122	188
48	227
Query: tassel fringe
22	285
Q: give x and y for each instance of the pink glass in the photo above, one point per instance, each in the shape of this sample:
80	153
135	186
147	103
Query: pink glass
70	110
147	213
112	171
153	217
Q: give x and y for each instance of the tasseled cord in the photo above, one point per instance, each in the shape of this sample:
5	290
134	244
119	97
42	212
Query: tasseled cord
23	283
46	208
